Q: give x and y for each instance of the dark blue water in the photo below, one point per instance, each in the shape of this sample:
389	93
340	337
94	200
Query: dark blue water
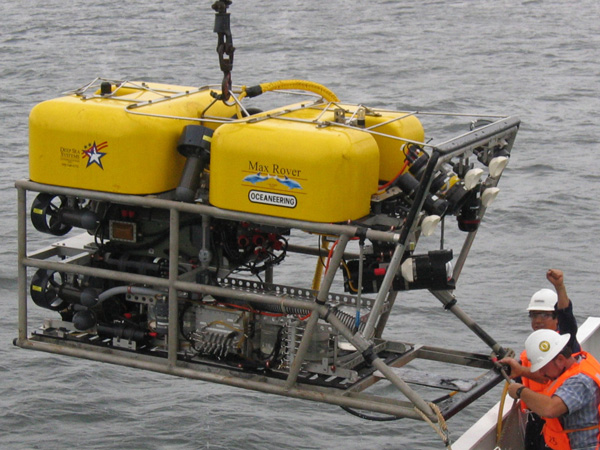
538	60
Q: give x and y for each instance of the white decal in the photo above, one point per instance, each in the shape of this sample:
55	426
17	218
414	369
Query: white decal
269	198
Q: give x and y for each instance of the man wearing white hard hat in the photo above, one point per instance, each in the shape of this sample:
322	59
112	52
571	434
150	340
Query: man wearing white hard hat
570	403
552	311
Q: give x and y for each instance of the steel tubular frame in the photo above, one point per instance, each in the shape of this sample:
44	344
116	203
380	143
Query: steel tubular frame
363	342
172	365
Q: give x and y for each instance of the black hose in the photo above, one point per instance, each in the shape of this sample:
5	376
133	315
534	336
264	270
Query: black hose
367	417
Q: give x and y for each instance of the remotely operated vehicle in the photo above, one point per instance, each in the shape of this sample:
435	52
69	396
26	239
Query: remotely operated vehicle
177	205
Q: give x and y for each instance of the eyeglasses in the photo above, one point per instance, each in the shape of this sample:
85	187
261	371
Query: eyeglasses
541	315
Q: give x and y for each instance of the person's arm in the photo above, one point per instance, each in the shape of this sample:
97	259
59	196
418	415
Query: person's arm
540	404
567	323
556	277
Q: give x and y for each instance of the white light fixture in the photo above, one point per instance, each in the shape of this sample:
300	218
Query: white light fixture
472	178
489	195
428	224
497	166
346	346
406	269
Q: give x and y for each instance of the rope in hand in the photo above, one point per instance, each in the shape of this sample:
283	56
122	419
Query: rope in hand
500	428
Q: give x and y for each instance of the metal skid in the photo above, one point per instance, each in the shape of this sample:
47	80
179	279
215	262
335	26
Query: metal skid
209	328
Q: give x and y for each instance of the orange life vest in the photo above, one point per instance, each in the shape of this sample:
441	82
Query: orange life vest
533	385
555	436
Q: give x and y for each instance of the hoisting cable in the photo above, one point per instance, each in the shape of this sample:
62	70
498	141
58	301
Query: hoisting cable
225	46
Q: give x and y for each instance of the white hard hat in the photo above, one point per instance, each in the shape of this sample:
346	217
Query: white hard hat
543	300
543	345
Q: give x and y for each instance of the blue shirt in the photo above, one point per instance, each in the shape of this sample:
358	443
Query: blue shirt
581	396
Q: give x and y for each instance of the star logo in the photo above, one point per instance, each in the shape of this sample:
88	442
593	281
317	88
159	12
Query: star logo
93	153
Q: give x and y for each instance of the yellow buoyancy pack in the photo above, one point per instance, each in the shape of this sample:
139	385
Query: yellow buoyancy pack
296	162
124	141
315	161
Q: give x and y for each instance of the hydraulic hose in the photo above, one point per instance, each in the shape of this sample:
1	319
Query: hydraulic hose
127	290
302	85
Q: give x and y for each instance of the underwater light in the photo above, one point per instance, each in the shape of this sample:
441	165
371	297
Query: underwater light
468	217
497	166
428	224
432	204
472	178
431	271
489	195
406	269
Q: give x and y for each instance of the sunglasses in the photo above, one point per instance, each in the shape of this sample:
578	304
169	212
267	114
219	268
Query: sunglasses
541	315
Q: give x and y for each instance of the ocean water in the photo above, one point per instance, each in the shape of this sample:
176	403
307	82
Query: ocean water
538	60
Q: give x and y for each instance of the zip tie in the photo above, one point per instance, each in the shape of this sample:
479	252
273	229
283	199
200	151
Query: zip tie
330	309
450	304
361	232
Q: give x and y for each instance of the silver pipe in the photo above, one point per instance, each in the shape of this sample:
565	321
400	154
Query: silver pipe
360	281
173	332
162	282
318	251
96	272
449	303
398	409
407	231
21	266
309	330
464	252
249	297
173	284
311	324
415	398
193	208
385	316
205	254
384	289
363	345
